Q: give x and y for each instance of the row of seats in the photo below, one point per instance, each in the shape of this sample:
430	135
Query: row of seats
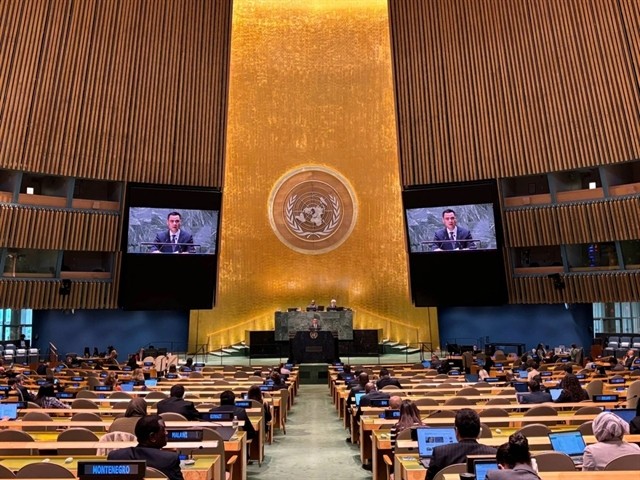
618	345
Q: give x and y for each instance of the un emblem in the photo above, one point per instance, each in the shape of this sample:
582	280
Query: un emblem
312	210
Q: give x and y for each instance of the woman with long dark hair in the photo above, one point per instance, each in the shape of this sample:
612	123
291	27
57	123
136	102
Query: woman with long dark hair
572	391
409	417
514	461
255	393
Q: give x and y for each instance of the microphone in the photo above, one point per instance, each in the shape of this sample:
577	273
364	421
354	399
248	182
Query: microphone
620	404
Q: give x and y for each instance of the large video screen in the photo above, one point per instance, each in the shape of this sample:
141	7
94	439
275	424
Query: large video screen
451	228
151	230
454	239
170	241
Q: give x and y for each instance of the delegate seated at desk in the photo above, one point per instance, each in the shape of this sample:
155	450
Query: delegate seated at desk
152	436
174	239
452	237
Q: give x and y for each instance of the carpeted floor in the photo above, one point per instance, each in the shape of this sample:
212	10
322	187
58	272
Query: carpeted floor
314	447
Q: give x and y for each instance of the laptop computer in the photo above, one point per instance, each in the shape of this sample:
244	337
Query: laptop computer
357	397
569	442
523	374
426	363
627	414
151	382
555	393
431	437
521	387
481	467
127	387
9	410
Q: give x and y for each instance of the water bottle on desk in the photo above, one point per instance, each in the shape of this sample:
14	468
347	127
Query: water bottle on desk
234	424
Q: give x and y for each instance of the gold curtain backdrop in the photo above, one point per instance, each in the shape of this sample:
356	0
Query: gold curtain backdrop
311	88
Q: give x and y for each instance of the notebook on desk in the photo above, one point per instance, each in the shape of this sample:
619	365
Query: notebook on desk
431	437
569	442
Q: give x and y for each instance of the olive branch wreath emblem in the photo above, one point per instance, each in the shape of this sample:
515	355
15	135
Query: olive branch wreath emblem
325	232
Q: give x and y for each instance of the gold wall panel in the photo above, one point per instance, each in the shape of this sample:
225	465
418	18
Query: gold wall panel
311	85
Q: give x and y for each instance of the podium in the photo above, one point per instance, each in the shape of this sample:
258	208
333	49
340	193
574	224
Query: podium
313	346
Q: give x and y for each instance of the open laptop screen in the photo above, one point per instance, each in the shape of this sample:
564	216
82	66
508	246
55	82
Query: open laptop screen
521	387
627	414
570	442
9	410
481	467
358	396
432	437
555	393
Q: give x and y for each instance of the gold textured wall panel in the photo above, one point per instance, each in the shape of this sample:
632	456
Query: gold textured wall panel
501	88
123	90
311	85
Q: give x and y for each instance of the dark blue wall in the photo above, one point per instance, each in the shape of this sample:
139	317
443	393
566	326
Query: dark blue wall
126	331
530	324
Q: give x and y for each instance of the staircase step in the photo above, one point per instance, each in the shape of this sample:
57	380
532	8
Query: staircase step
218	353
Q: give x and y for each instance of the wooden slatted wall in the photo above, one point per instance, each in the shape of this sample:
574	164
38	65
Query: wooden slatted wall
501	88
58	229
584	222
131	90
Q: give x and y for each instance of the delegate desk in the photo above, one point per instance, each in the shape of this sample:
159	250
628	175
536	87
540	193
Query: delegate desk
204	468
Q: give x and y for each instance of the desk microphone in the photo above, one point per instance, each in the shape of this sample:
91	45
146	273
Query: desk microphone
619	404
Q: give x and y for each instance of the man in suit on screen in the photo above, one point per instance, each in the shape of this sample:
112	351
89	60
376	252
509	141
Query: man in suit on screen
174	239
452	237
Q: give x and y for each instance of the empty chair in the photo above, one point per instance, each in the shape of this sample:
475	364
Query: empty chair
89	417
541	411
499	401
121	395
554	462
586	428
468	391
485	431
151	472
507	391
594	387
11	435
156	395
495	412
44	470
77	435
84	403
114	437
33	416
390	387
588	410
87	394
624	462
459	401
535	430
226	466
425	401
443	414
173	417
6	473
455	468
633	394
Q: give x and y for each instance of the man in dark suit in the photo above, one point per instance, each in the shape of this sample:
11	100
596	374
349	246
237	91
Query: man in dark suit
174	239
467	425
176	404
536	395
228	404
371	393
151	436
23	394
452	237
386	379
